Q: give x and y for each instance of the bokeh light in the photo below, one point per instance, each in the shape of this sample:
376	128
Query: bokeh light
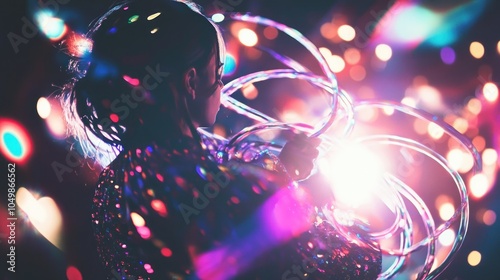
357	73
476	50
490	92
399	26
270	33
447	237
447	55
133	19
166	252
435	131
55	121
383	52
132	81
43	214
489	217
336	63
478	185
218	17
409	101
346	32
15	142
249	91
446	211
43	107
327	30
54	28
159	207
153	16
474	258
352	55
248	37
73	273
229	65
429	97
490	157
137	220
479	143
144	232
474	106
461	125
455	157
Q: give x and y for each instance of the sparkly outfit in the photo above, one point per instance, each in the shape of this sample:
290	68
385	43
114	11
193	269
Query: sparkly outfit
170	212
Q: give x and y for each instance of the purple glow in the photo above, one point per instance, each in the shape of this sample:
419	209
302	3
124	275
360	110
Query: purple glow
272	220
448	55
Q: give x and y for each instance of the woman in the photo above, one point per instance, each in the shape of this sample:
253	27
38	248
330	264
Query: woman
164	209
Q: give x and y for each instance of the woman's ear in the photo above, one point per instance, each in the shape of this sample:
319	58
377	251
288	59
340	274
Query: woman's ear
190	82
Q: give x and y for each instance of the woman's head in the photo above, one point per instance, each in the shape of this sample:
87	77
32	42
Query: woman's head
154	72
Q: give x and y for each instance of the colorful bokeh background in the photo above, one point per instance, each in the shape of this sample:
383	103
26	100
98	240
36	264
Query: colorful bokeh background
440	56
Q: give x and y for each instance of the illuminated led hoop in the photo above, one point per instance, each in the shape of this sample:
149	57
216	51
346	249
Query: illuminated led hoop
395	187
462	212
420	114
243	109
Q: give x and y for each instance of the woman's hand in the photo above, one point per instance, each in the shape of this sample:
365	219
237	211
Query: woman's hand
298	155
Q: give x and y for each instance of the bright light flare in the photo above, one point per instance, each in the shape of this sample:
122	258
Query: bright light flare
355	172
43	214
248	37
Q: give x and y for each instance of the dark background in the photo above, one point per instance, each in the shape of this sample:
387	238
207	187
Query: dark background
38	68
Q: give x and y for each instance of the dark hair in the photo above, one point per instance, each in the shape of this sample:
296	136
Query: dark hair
126	93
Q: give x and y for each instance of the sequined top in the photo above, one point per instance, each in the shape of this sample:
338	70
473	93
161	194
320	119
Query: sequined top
170	212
